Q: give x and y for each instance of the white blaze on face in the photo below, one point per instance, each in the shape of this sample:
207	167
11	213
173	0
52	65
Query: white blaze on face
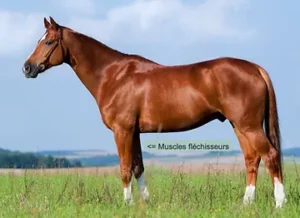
142	187
279	193
128	194
43	38
249	194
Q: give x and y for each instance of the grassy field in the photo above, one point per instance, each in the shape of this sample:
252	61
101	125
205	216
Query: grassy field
210	194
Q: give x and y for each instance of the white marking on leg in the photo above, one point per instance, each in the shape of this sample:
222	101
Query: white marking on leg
143	187
249	194
279	193
128	194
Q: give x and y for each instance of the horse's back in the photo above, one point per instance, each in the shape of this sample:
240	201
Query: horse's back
186	94
169	98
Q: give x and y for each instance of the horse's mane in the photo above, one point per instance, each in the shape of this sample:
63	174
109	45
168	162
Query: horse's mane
96	43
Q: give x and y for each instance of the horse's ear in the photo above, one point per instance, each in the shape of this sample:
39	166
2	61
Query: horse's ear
46	23
54	24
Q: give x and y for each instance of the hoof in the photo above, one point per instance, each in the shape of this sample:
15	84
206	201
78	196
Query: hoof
128	201
280	203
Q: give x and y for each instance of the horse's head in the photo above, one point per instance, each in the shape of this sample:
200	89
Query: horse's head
49	51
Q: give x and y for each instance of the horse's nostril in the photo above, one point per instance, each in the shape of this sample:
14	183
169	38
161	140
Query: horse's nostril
26	68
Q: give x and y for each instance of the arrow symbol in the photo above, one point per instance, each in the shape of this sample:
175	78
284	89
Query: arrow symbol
151	146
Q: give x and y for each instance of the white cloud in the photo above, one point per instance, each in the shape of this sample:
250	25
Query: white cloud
18	31
142	21
168	20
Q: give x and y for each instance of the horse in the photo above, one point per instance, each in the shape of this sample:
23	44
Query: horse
136	95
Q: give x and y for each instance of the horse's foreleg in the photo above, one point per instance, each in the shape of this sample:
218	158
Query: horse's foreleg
138	167
124	141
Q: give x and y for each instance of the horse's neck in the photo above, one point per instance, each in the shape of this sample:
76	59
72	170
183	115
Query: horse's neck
89	58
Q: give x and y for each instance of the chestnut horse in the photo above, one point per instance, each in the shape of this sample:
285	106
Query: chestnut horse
136	95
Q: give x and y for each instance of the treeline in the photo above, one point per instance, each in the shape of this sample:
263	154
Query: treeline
22	160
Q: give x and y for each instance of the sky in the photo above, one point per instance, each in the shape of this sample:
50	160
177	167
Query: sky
56	112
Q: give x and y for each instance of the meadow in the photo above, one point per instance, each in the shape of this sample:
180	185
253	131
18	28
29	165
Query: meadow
77	193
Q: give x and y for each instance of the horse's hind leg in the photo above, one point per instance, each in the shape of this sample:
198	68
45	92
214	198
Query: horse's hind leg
252	160
261	144
138	167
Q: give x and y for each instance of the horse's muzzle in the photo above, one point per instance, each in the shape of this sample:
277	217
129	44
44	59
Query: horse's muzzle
31	70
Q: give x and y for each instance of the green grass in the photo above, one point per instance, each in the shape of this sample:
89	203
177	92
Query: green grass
172	195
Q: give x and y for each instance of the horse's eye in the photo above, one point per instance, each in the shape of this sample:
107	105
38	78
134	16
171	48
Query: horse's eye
48	42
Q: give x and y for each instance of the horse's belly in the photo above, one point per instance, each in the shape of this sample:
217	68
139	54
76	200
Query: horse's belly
172	117
175	106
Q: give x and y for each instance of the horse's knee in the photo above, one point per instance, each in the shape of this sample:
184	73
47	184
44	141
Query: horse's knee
126	175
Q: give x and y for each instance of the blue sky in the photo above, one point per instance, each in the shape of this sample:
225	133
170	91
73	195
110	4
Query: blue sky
55	111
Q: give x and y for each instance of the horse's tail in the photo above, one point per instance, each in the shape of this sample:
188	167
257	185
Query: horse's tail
271	116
